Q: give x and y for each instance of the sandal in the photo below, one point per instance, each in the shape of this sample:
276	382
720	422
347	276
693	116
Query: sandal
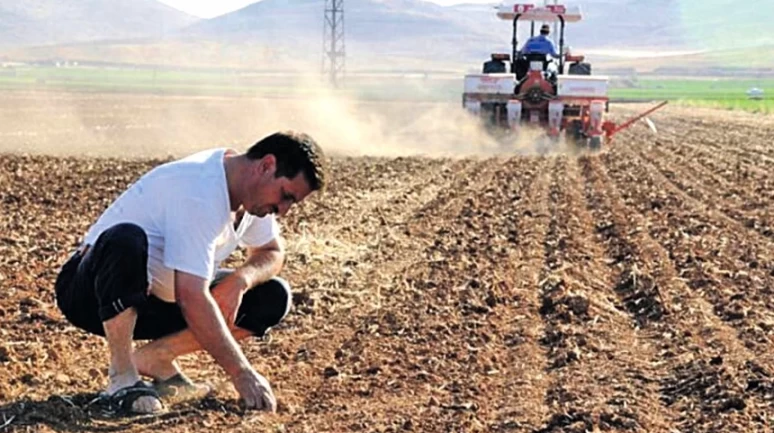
122	400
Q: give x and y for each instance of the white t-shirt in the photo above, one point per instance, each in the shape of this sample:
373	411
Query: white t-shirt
184	208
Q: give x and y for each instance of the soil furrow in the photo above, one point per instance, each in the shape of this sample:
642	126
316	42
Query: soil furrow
732	270
596	383
712	193
705	364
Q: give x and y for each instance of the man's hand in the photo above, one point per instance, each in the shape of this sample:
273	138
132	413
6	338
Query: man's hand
209	328
229	297
255	390
206	322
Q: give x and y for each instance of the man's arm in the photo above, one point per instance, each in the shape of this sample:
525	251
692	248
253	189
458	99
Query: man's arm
207	325
554	53
262	263
206	322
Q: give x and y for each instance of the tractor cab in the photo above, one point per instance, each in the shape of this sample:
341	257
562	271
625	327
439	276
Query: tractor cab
549	14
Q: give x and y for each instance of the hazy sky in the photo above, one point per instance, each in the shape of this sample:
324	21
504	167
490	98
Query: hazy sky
211	8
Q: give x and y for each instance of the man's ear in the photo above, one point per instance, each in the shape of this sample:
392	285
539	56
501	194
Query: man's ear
268	164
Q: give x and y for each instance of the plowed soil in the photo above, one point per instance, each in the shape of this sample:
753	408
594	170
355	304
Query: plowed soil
631	290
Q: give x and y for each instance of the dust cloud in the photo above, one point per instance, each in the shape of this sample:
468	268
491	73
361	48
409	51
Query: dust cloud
167	126
350	126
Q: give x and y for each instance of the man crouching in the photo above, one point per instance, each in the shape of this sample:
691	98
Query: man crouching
148	269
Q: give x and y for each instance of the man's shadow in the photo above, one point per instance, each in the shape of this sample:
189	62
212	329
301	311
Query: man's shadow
88	412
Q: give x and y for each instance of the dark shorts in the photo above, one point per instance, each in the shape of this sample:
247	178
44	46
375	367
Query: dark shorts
112	276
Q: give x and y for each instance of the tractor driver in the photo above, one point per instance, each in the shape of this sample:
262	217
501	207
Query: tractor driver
540	44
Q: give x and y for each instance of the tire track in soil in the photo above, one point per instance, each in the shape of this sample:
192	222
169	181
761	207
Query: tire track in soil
453	401
358	229
519	357
736	275
458	298
358	368
707	374
512	380
602	378
756	159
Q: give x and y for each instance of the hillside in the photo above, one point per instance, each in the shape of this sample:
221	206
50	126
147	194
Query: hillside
277	34
36	22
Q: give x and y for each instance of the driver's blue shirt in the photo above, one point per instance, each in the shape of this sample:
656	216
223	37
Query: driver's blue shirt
540	44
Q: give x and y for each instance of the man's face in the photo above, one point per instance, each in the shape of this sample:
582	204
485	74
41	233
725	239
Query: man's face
271	195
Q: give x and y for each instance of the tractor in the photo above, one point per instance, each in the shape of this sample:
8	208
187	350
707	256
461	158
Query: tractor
558	95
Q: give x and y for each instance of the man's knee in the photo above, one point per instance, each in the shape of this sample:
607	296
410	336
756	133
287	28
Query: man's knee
277	298
265	306
106	280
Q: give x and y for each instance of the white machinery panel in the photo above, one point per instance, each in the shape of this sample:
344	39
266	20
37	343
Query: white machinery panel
514	113
555	112
490	83
473	107
582	86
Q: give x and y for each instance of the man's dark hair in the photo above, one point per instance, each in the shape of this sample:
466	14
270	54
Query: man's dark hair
545	29
295	152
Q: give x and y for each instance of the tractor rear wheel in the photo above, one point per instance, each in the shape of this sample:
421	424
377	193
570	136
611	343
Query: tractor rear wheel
580	69
595	143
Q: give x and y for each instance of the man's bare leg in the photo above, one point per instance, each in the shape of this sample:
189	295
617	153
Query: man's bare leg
123	372
157	358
